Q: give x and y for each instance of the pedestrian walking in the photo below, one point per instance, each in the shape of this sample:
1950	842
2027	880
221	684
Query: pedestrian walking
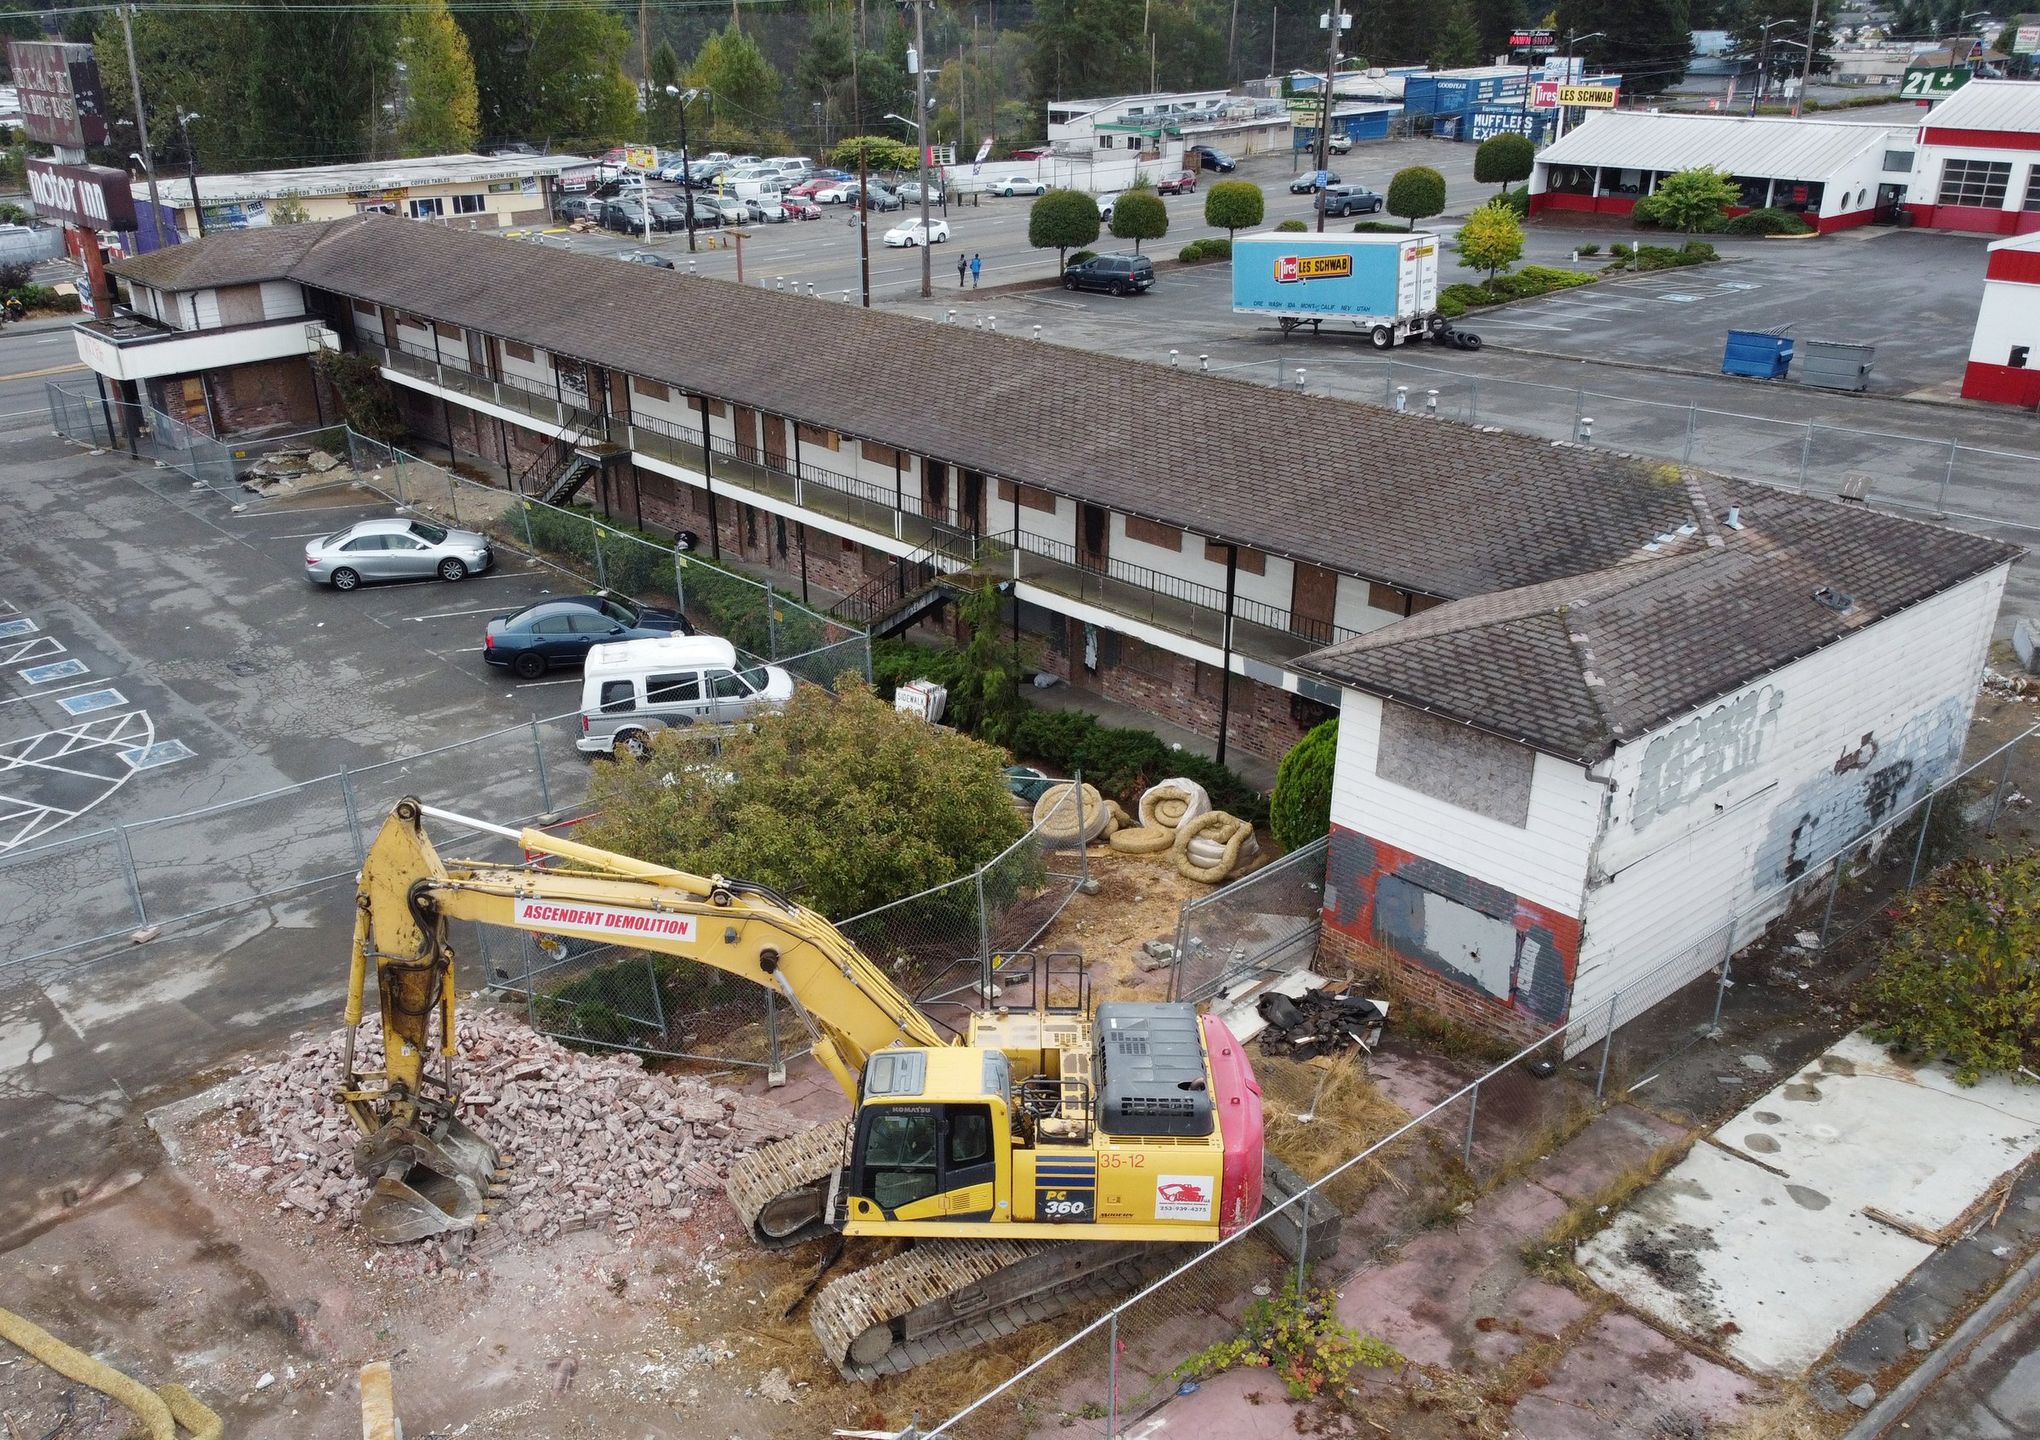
962	269
976	265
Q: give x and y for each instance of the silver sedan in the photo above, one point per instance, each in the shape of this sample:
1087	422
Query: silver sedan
395	549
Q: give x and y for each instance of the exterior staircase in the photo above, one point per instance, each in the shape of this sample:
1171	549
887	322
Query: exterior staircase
912	586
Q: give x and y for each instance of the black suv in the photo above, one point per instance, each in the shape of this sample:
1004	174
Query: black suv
1348	200
1120	274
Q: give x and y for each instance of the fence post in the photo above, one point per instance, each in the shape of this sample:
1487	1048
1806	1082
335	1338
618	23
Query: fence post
2004	775
1579	408
1920	849
524	513
984	938
1607	1047
1947	479
1303	1238
1692	424
1722	984
353	818
1472	1113
544	784
134	879
1805	454
771	623
601	566
1827	914
1112	1376
1473	403
775	1063
679	583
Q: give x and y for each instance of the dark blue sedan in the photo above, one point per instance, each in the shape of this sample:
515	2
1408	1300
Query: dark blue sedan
564	630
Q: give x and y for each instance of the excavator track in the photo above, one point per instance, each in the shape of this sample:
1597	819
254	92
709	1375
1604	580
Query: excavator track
943	1296
781	1190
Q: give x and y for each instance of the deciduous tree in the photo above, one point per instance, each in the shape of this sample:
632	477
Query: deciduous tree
1416	192
1140	215
1690	200
1491	239
732	68
1233	205
1504	159
1062	221
840	802
552	73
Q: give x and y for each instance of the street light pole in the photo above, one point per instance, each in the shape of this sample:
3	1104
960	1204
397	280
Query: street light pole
1335	22
915	62
127	30
686	163
1572	39
1806	65
191	169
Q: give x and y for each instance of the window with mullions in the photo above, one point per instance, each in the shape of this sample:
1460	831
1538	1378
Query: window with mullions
1975	182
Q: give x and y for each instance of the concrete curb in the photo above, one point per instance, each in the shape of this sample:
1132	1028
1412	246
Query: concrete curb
1891	1409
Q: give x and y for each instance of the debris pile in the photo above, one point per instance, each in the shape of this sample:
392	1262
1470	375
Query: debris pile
1319	1022
591	1141
286	468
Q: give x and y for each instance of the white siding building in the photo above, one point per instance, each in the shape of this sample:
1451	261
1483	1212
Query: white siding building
1564	801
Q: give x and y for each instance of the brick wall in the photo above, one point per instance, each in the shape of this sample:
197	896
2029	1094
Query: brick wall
1262	719
271	394
1341	954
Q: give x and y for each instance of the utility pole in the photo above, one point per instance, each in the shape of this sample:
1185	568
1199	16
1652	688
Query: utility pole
920	72
1335	22
863	220
1763	59
687	166
1572	38
1806	65
127	31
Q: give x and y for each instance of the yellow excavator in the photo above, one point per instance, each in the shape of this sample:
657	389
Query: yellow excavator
1036	1161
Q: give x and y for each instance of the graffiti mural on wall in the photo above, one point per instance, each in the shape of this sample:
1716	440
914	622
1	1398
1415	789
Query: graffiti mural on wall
1870	783
1465	930
1708	750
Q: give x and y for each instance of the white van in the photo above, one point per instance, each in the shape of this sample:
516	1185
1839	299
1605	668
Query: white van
754	182
792	164
633	688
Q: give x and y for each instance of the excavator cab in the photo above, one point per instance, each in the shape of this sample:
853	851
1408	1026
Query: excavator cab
933	1137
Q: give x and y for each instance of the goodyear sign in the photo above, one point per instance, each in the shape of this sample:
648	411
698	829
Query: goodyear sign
1292	268
1588	97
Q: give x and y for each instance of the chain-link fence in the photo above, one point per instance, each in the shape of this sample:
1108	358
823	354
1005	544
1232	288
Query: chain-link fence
84	890
1411	1171
1930	475
1261	925
941	946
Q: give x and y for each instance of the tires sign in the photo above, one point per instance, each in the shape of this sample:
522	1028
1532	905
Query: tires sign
1290	269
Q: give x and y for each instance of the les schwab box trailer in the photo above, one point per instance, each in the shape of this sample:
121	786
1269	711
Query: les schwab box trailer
1385	286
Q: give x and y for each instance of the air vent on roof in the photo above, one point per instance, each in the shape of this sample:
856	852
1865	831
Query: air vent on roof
1733	520
1834	599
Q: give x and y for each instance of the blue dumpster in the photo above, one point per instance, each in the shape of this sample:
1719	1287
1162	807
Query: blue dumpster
1757	353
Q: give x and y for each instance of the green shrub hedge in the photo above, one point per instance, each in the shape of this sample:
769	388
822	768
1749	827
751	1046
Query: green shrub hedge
1767	222
1292	227
1216	247
1456	299
1121	763
1301	809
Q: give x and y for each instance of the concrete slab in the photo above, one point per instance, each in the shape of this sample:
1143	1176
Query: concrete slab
1624	1378
1866	1130
1769	1270
1616	1140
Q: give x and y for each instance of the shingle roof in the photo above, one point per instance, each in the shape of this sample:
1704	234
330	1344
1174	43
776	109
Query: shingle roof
1988	105
1769	146
1577	666
237	257
1429	506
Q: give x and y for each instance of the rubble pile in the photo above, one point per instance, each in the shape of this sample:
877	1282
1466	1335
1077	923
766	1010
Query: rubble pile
591	1141
283	468
1319	1022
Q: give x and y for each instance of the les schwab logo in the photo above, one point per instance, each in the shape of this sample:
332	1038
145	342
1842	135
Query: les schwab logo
1291	268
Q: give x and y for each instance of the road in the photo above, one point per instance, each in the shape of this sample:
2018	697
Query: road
30	354
1992	1392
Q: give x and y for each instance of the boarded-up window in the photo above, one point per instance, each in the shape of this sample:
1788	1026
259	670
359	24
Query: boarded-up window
1168	537
879	454
1150	660
716	408
827	439
362	307
650	389
446	331
1252	562
654	486
1029	496
240	304
1420	603
413	322
1455	763
519	352
1385	597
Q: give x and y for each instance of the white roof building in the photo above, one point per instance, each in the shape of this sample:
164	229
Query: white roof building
1977	167
1833	172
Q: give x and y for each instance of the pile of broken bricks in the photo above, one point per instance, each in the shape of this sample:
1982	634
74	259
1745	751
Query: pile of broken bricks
591	1141
287	469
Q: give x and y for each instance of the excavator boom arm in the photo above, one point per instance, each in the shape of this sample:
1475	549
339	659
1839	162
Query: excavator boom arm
746	931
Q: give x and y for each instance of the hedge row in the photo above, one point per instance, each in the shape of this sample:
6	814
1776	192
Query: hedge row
1196	252
1455	300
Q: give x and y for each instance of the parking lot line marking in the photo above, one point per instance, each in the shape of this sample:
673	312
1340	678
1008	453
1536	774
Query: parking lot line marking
92	700
45	694
541	684
449	614
60	670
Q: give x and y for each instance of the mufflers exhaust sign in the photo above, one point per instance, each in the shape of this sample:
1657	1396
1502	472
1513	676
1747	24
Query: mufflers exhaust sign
95	196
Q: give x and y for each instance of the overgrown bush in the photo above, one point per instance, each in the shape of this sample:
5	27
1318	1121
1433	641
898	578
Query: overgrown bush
1455	300
1122	763
1080	256
1292	227
1767	222
43	297
1379	227
1518	200
1590	249
1297	1334
1300	810
366	399
1450	307
1216	247
15	274
840	802
1959	978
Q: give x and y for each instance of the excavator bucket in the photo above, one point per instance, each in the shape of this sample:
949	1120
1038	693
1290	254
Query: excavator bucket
427	1180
